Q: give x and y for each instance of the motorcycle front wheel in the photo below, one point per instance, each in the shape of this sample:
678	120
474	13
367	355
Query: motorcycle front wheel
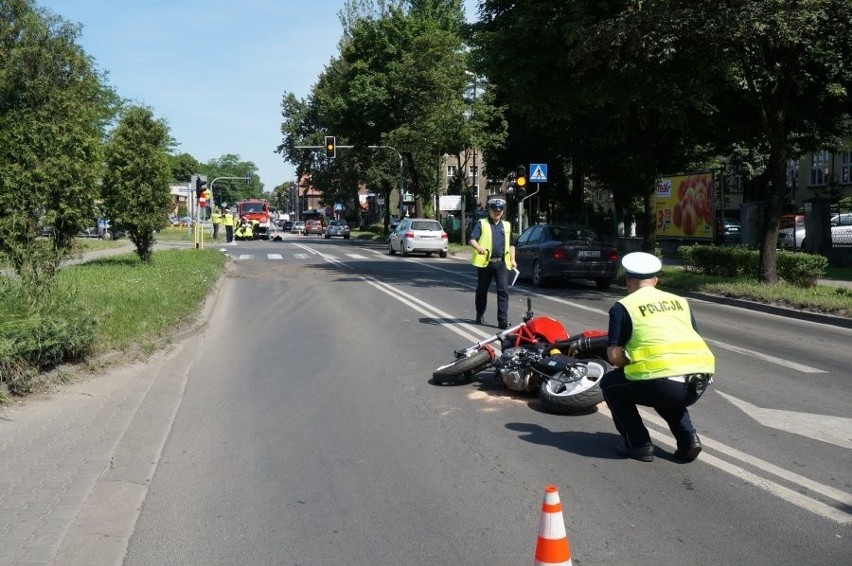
462	368
567	396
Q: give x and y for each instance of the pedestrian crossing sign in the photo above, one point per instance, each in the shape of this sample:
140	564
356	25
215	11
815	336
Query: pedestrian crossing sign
538	172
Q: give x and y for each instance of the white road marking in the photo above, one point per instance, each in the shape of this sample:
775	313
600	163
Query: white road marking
827	428
765	357
275	256
798	499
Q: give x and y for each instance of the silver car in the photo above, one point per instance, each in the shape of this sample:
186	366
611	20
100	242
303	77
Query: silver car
337	228
418	235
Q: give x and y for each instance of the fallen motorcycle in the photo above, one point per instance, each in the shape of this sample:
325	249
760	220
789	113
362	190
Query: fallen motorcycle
538	355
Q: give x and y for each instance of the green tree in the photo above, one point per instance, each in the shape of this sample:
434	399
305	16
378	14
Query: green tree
399	82
232	190
787	87
136	182
54	107
183	167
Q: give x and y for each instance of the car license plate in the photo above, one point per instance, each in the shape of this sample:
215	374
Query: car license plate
589	253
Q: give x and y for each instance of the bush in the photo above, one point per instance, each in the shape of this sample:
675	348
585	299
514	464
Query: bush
801	270
724	261
39	329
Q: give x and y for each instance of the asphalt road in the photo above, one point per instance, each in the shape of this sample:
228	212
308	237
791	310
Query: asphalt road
309	433
298	426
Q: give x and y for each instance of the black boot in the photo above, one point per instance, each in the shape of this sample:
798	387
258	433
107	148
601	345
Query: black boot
688	447
644	453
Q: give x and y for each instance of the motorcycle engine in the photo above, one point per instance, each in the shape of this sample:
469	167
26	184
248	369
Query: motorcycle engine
514	367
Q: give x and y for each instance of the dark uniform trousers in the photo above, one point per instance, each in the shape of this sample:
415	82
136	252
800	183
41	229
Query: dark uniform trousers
495	270
668	396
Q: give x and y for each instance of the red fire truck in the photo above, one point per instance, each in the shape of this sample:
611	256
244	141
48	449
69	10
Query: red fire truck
256	209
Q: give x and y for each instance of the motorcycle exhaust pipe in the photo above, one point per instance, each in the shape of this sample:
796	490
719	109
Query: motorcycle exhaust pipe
587	344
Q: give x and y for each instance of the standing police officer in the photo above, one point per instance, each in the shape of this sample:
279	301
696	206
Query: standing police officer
661	362
228	221
216	219
494	257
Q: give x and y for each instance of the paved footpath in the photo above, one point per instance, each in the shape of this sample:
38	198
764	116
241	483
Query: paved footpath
75	464
94	441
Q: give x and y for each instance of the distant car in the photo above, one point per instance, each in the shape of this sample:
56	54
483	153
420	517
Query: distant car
46	231
337	228
728	232
313	227
286	225
791	232
103	229
419	235
298	227
841	228
546	252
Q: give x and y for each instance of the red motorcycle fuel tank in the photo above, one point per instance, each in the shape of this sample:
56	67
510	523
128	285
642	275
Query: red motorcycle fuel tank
548	328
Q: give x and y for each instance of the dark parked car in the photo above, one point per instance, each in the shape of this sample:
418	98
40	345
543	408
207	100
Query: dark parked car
728	232
337	228
286	225
548	252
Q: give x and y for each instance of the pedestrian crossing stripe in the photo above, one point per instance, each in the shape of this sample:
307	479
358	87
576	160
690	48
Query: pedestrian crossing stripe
275	256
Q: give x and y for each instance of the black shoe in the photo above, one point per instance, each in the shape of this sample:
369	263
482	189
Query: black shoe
644	453
688	448
503	325
479	319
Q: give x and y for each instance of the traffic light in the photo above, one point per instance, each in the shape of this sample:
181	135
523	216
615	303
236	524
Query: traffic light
199	187
517	182
521	182
330	147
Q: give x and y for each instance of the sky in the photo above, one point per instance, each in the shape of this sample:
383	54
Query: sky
214	70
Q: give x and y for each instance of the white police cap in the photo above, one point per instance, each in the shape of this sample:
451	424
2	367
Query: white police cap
641	265
497	202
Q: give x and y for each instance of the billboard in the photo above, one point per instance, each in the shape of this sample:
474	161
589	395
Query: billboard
684	206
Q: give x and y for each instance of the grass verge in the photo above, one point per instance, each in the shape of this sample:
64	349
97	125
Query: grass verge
137	305
821	298
113	305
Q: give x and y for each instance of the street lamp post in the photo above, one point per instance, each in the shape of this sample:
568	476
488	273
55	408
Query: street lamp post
475	171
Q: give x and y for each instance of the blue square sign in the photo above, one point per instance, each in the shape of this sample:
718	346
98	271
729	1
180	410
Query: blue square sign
538	172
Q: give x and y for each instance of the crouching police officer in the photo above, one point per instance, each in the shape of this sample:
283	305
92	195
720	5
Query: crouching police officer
661	362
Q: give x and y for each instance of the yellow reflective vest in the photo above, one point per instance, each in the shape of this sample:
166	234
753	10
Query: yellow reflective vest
663	343
228	219
481	260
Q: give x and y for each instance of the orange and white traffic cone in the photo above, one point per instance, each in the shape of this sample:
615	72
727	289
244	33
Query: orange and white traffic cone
552	547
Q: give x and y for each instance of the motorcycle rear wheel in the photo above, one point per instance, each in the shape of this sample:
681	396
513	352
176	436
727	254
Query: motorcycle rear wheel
577	396
463	368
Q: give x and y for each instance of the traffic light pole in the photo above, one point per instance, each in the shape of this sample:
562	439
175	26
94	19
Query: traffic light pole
521	208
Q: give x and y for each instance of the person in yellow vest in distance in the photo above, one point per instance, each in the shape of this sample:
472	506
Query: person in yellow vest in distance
228	223
216	219
244	229
661	362
255	228
494	257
